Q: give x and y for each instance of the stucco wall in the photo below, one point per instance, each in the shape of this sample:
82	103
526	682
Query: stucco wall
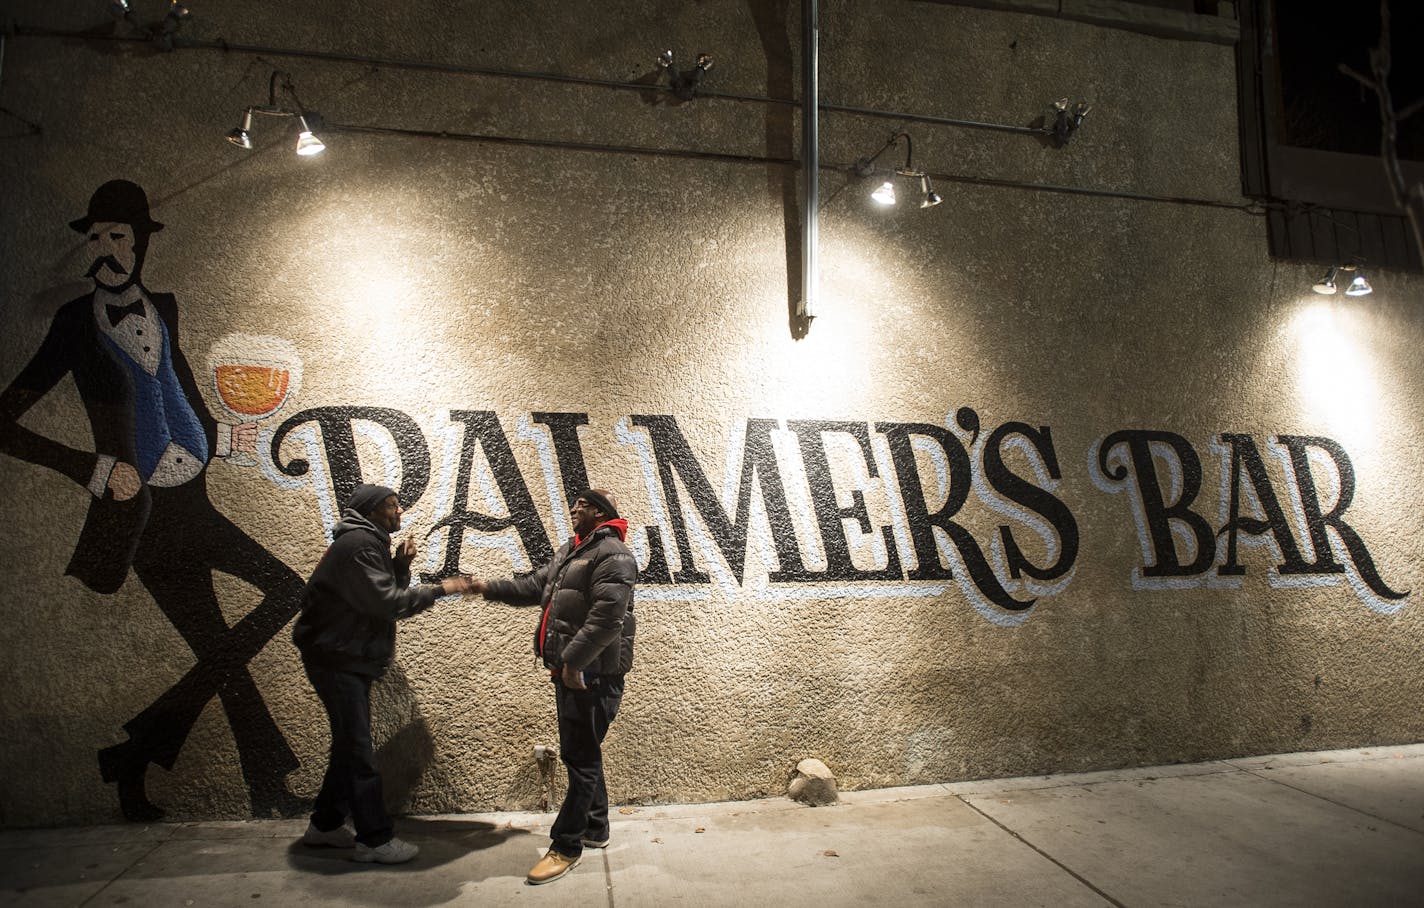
440	291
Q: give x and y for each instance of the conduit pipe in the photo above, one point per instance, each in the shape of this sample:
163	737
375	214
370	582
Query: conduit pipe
810	162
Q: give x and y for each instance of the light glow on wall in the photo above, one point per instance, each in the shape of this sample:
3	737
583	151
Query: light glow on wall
1335	374
864	292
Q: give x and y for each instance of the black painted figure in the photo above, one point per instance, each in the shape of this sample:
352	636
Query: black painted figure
149	509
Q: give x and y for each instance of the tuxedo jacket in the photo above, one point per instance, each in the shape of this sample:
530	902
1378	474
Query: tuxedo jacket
75	346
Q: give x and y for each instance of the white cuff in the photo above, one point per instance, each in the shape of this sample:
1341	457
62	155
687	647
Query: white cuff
175	467
224	440
100	480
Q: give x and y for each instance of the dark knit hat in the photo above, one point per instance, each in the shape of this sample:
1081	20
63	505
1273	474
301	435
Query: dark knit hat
367	497
597	500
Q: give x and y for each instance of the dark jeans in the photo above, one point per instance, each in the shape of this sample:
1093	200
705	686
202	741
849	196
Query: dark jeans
352	785
584	717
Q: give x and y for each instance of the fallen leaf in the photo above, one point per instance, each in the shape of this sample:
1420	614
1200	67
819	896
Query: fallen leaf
830	854
657	841
627	810
700	829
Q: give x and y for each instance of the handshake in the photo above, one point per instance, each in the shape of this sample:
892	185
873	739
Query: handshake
463	585
459	585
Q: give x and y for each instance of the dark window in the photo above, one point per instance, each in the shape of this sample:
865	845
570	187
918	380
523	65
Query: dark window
1324	108
1310	135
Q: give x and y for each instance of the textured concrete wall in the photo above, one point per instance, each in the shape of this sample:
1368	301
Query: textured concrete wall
439	298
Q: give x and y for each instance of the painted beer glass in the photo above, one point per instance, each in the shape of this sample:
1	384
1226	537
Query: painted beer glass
253	376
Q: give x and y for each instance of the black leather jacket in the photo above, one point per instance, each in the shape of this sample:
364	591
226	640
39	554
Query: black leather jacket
588	589
353	600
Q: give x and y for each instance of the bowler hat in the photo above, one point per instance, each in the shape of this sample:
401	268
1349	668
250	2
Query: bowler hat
119	202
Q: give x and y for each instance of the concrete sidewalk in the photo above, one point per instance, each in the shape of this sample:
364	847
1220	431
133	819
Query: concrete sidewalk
1329	828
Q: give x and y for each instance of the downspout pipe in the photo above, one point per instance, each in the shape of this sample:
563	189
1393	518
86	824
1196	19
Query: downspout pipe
810	163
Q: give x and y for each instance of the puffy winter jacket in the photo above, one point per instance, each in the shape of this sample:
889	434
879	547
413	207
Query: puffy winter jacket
353	600
587	589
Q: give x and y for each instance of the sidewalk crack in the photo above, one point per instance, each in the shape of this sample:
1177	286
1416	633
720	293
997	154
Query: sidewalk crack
1059	864
1304	791
122	873
608	877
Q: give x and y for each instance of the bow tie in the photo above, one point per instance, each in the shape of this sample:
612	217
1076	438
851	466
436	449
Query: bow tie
117	311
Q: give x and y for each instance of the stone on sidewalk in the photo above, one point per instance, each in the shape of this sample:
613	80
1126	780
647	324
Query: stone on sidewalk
813	784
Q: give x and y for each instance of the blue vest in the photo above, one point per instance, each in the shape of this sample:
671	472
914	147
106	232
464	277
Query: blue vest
161	412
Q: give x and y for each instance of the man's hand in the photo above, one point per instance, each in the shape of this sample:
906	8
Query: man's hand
124	481
244	438
573	678
460	584
405	553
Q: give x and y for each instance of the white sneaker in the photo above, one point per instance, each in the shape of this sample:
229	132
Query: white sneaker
340	837
393	852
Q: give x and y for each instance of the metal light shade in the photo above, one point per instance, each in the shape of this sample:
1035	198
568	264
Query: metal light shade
1359	287
885	195
308	144
1326	284
240	136
932	198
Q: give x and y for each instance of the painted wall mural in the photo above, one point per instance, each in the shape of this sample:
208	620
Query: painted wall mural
806	509
150	513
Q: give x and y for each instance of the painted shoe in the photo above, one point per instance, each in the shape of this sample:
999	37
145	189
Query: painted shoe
395	851
121	765
550	867
340	837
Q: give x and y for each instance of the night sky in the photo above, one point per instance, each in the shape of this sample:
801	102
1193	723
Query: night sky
1328	110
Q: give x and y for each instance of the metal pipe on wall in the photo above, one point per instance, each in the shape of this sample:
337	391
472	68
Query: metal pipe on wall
810	160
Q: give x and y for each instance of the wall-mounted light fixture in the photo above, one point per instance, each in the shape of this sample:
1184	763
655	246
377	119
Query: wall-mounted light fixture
1358	286
161	33
685	84
885	193
1065	123
308	121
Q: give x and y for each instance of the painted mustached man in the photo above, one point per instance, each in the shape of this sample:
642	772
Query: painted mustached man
585	639
149	510
347	635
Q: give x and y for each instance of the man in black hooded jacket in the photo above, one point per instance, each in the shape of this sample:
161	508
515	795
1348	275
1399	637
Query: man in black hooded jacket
585	639
347	635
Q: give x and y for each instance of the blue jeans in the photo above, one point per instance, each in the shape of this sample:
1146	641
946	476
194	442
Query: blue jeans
584	717
352	785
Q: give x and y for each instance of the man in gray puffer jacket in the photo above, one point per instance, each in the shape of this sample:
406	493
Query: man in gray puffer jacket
347	635
585	639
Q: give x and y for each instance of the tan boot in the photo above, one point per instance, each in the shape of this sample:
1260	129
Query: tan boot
550	867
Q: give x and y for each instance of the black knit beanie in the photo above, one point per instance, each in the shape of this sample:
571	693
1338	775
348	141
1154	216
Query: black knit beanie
367	497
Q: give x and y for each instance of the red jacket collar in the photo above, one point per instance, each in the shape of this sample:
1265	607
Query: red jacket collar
619	525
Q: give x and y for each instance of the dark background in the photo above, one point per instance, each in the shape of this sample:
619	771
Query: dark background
1327	110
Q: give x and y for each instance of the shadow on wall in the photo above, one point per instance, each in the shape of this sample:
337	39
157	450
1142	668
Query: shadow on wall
407	751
